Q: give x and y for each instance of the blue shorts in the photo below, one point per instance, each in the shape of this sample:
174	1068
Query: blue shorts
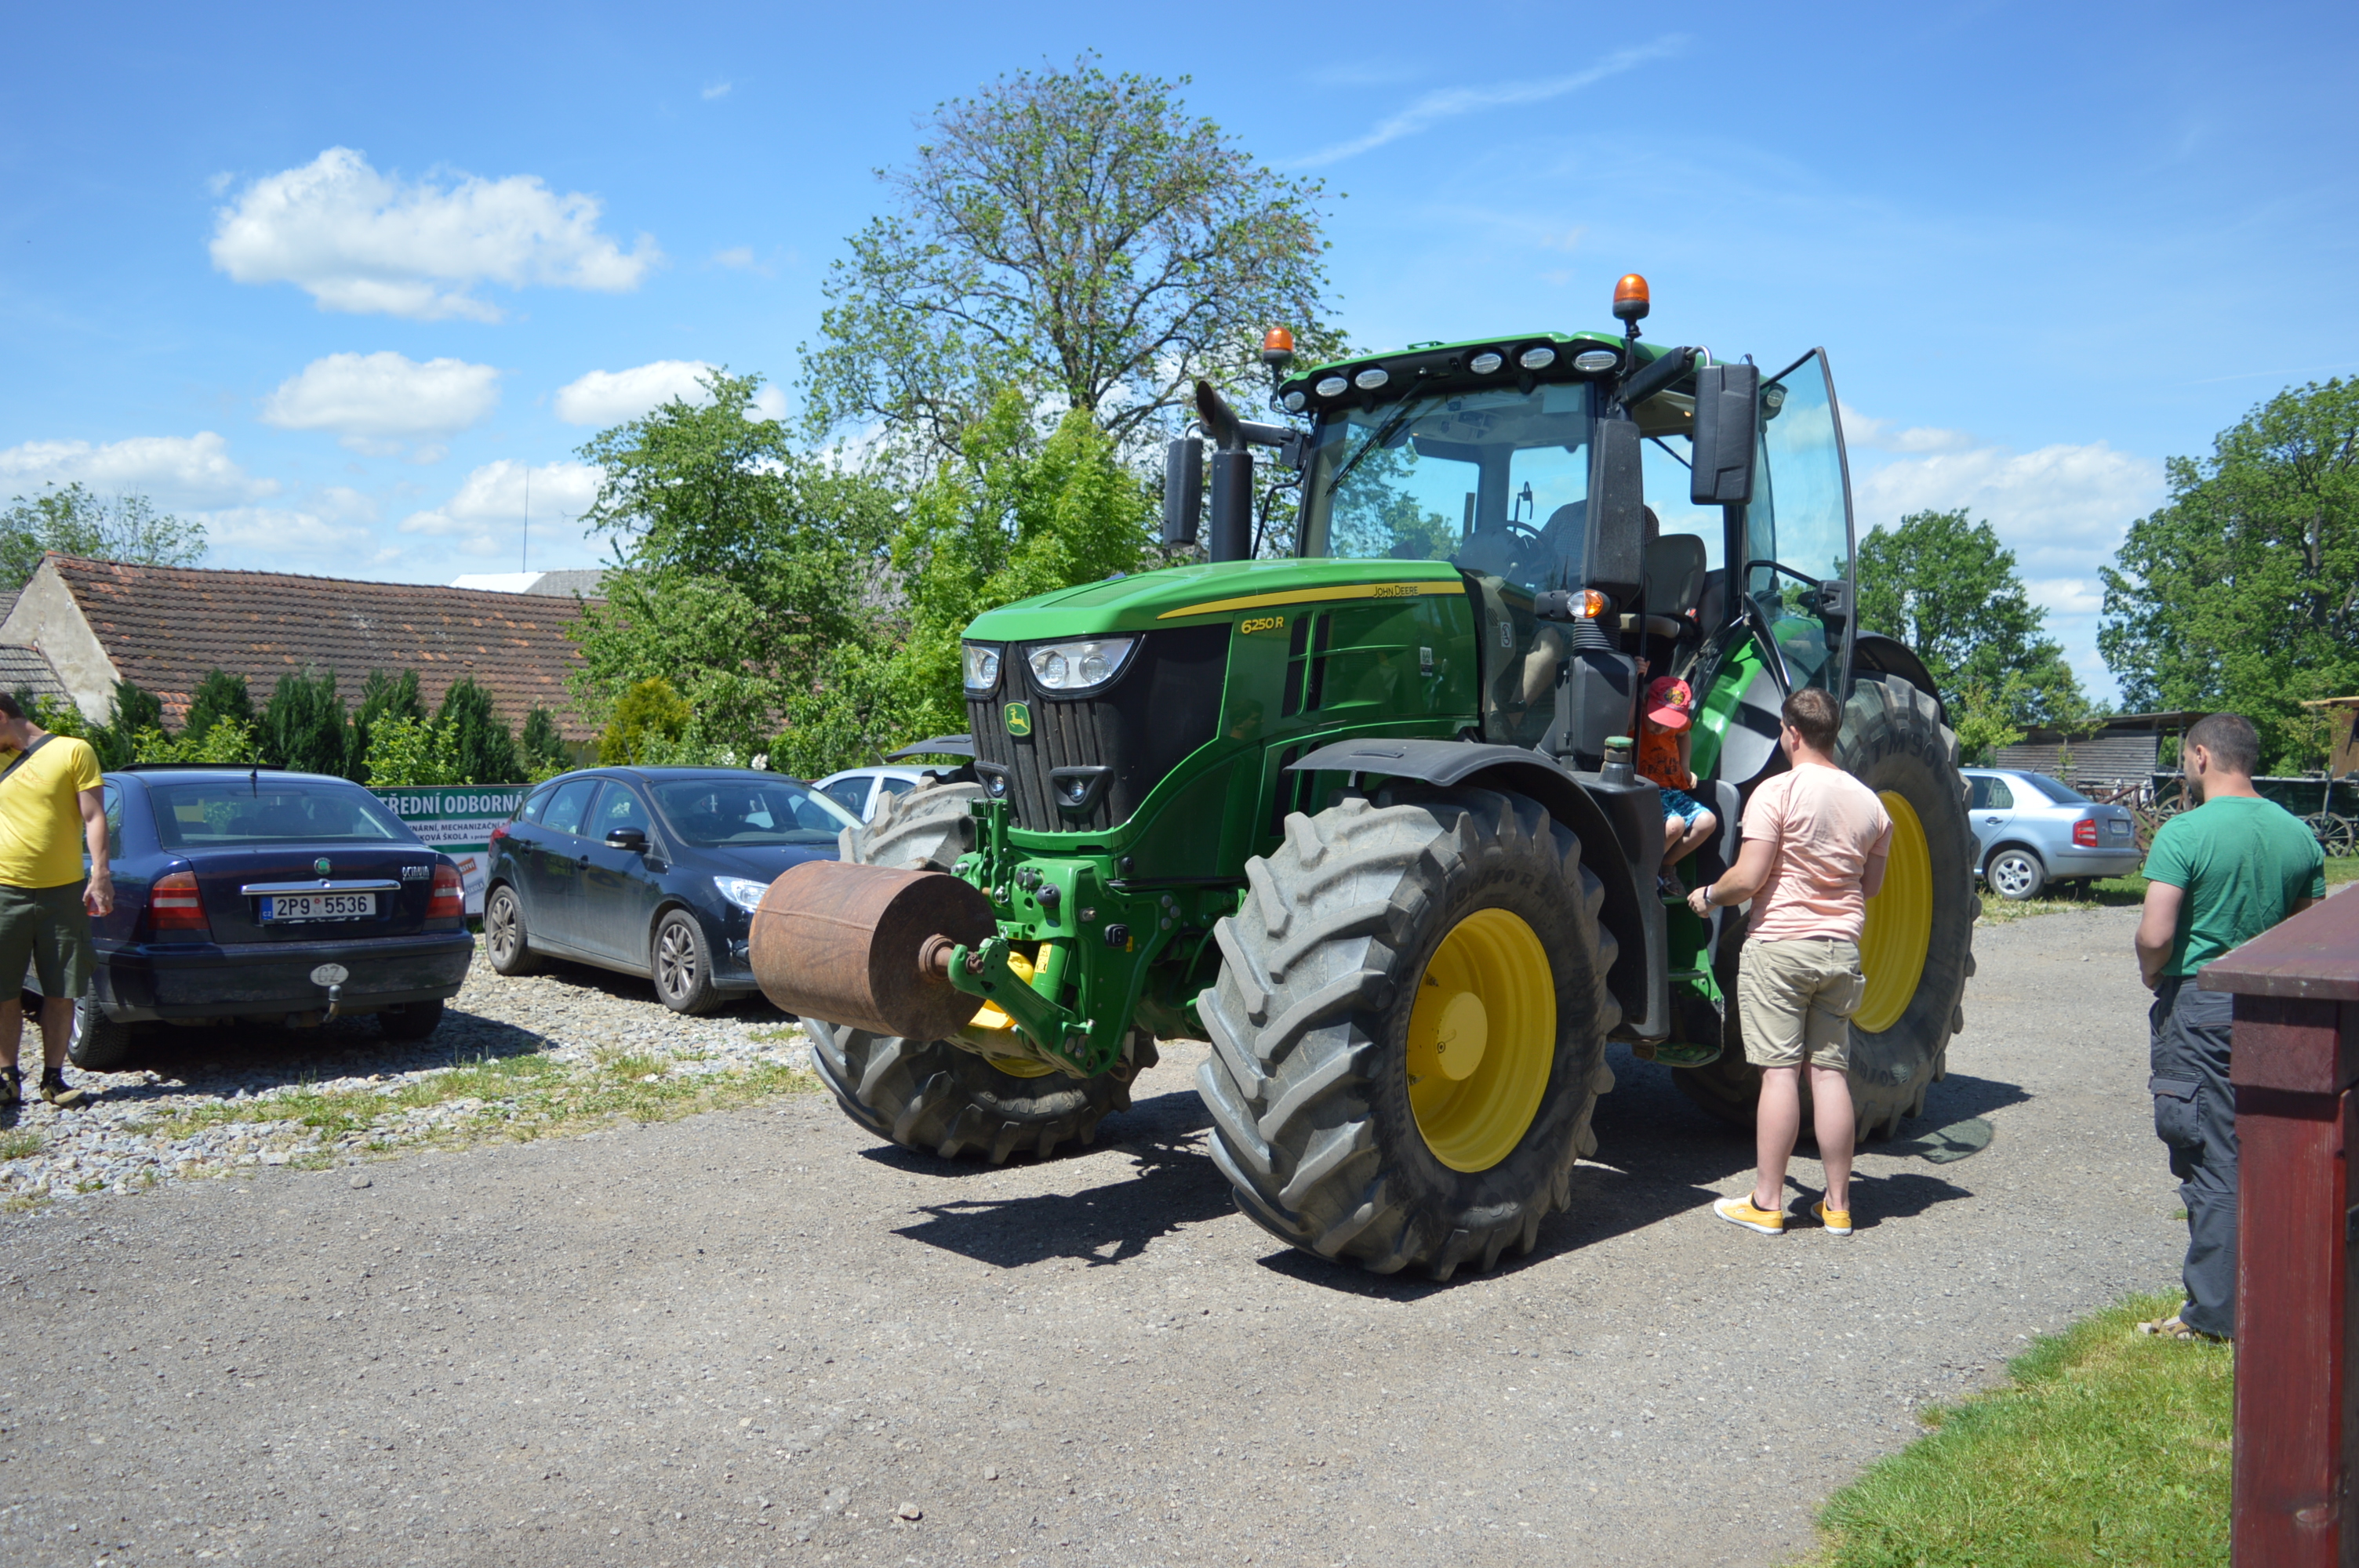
1679	803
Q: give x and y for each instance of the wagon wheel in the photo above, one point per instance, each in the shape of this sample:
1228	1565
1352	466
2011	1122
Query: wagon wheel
2335	833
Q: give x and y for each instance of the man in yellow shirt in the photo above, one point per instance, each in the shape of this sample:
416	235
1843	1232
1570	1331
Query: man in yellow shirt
47	782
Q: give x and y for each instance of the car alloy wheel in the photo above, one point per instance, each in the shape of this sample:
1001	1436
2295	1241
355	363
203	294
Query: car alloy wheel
682	965
2015	875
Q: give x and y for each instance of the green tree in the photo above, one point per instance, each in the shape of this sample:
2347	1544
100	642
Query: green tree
2238	594
218	697
405	751
383	696
742	563
1079	235
76	522
224	741
651	710
540	748
1944	585
135	710
302	725
483	750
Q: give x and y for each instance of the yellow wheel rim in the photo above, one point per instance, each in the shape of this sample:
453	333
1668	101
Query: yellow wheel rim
1899	923
994	1031
1481	1037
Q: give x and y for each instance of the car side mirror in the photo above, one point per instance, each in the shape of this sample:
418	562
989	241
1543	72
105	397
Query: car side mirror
1727	426
1183	490
632	838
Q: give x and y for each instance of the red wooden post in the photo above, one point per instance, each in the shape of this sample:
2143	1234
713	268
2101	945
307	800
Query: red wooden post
2295	1059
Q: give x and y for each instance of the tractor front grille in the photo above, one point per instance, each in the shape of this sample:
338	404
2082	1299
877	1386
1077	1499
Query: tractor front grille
1111	747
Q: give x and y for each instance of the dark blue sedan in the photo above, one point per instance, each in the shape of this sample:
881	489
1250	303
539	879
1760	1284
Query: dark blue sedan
270	897
652	871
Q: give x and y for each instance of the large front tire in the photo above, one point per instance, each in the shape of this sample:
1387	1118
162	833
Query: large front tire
1379	936
930	1095
1918	950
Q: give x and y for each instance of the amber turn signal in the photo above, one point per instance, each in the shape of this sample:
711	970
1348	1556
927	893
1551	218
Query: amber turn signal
1630	298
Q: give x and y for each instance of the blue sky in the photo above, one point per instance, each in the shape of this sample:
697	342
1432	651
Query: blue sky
338	280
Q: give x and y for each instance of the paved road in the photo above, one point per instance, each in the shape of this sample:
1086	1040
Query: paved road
760	1337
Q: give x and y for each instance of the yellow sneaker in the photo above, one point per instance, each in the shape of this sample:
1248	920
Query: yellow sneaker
1836	1220
1740	1211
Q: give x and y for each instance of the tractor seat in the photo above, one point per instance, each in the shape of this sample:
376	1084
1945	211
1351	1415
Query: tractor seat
1675	576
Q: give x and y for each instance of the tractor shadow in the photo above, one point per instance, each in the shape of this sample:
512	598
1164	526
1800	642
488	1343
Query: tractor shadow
1661	1158
1169	1182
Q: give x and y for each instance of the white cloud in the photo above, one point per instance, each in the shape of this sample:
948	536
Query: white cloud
356	240
373	400
1865	430
1451	102
486	513
2061	509
171	471
740	256
276	531
611	396
718	89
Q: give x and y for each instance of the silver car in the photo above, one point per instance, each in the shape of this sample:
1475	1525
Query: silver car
2030	830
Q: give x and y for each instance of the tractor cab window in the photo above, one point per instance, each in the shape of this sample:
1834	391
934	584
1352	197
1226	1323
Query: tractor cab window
1798	530
1491	481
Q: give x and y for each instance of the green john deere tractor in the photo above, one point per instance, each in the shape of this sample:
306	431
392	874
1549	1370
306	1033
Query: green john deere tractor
1364	816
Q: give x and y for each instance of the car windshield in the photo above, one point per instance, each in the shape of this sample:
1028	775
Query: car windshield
2062	794
255	810
1494	482
711	812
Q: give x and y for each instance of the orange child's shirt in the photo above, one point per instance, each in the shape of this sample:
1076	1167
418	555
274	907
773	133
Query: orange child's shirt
1662	757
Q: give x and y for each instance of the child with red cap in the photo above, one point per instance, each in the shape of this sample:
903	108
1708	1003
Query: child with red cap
1665	741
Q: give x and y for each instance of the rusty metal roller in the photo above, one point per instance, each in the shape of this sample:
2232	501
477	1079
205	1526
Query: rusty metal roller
867	947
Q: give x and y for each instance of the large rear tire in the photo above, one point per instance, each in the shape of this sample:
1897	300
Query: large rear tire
1379	938
1918	950
930	1095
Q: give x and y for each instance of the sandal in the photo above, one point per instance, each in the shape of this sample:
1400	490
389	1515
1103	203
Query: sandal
2171	1328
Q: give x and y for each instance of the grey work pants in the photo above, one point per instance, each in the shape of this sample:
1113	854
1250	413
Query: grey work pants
2195	1116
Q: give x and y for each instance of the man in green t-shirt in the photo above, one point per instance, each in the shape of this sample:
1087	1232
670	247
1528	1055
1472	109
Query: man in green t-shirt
2217	877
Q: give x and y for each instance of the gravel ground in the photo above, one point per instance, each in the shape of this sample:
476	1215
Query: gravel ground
135	1130
758	1336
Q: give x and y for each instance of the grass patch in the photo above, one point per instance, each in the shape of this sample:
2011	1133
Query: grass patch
2107	1447
2116	892
19	1143
522	1097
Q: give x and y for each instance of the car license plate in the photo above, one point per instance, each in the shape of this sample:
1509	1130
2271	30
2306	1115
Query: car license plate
2118	828
285	907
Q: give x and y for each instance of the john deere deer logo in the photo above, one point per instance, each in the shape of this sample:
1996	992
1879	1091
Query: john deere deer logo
1019	718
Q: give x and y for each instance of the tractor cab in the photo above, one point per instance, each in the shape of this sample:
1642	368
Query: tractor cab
1492	455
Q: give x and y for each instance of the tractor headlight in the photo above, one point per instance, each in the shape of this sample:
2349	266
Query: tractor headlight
1539	358
982	668
1371	378
1332	387
1594	360
1069	669
1295	400
1486	363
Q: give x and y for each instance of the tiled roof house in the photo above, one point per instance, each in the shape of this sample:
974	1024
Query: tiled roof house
165	627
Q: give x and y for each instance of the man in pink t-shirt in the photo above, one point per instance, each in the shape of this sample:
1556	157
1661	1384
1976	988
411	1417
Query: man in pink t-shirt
1815	841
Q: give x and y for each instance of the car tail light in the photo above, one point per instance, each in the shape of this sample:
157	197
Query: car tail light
499	833
449	900
2084	833
175	904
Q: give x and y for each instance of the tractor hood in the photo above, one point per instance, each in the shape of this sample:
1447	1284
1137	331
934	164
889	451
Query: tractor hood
1189	596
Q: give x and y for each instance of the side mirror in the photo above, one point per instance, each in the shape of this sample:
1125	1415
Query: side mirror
1727	426
632	838
1614	546
1183	490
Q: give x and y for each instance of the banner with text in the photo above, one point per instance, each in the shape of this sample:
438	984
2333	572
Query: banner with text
458	819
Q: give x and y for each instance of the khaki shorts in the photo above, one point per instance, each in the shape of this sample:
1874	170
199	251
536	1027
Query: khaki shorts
48	931
1794	1000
